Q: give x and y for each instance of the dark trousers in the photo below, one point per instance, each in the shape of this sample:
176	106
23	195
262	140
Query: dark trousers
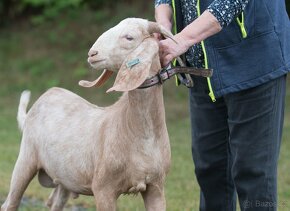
235	145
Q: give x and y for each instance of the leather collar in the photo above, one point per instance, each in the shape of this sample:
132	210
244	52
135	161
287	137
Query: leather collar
167	73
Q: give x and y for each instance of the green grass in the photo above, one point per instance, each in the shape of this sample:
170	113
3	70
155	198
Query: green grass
54	54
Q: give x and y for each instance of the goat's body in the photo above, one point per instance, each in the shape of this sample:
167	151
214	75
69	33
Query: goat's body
123	147
76	138
77	147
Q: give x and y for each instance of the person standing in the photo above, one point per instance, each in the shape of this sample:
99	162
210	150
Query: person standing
237	115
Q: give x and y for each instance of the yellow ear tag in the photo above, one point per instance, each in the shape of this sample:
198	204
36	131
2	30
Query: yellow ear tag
132	63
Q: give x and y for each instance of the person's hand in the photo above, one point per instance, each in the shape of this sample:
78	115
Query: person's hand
200	29
169	50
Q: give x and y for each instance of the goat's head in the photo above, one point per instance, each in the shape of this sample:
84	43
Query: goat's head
129	49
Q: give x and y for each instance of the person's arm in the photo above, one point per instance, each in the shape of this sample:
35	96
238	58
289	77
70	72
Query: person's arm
218	15
203	27
163	13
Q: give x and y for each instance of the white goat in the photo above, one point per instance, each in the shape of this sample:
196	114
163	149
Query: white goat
80	148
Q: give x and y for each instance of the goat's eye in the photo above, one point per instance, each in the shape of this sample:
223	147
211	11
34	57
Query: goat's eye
129	38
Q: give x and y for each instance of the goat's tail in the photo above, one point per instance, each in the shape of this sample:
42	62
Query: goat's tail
22	108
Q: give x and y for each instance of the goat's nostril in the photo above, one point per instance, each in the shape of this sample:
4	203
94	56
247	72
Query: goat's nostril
92	53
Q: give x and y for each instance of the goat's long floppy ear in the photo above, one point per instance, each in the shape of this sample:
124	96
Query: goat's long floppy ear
99	81
136	67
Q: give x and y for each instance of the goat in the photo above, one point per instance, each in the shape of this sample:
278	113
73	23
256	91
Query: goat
77	147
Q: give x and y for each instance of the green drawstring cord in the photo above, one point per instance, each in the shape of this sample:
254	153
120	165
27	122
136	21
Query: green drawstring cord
242	25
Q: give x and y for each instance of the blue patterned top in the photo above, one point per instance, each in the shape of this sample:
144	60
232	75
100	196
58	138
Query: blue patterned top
224	10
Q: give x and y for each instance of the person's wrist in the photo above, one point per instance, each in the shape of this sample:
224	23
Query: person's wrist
184	41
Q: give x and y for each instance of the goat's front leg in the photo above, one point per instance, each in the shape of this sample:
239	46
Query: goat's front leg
154	198
105	197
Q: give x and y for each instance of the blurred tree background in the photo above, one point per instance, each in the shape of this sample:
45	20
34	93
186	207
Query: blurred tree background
44	43
43	9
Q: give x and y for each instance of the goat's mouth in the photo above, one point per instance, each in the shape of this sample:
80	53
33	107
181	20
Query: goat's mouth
93	61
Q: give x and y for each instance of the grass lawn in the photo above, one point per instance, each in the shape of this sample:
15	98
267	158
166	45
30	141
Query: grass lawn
54	54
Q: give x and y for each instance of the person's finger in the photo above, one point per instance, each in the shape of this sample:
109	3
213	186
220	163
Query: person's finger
166	60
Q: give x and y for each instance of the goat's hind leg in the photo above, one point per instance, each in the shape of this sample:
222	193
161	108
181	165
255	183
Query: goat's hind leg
24	171
58	198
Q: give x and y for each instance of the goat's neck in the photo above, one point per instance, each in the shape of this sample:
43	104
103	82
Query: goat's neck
142	110
146	110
